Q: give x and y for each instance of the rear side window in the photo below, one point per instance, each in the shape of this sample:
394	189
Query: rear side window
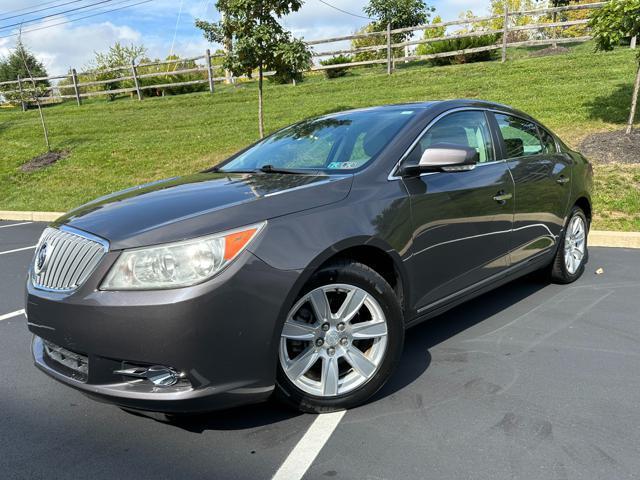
466	128
520	136
548	142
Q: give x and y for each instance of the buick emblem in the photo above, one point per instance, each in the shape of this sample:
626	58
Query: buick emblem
41	259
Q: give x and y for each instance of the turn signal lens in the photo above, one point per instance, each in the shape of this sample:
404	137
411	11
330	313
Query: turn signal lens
235	242
178	264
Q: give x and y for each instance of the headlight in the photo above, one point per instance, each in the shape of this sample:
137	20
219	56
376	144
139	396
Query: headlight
178	264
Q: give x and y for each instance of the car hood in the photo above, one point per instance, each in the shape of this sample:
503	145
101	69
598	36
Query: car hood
201	204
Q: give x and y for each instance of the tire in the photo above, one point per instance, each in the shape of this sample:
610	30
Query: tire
329	381
572	242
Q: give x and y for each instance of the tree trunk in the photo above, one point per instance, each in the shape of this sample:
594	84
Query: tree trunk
227	46
634	102
260	103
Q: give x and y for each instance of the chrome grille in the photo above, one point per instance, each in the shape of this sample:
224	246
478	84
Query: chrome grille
65	259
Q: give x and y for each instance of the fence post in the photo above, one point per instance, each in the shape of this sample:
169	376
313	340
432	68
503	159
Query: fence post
207	59
134	72
389	53
554	18
634	40
74	77
22	102
505	32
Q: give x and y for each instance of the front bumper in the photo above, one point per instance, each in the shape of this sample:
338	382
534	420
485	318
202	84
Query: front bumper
221	335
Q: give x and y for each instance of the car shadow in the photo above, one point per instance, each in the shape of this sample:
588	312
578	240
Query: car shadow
424	336
239	418
415	361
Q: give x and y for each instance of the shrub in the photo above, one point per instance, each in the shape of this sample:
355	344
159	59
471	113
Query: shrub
460	44
166	79
337	60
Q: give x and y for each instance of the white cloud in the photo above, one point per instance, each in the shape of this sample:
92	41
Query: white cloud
65	46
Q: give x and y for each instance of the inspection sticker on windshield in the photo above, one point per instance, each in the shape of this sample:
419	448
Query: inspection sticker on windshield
342	165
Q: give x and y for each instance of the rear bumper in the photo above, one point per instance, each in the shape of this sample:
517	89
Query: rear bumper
222	336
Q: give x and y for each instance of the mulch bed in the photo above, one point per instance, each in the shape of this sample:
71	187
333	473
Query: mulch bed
44	160
609	147
549	51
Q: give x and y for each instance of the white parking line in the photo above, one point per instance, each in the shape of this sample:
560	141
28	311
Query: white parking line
18	250
309	446
15	224
7	316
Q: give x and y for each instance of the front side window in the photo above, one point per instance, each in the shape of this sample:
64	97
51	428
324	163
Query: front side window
466	129
520	136
335	143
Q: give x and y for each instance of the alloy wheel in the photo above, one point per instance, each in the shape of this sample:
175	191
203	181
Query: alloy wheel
334	340
574	244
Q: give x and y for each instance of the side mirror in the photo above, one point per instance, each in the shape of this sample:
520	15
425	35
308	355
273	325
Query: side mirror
445	157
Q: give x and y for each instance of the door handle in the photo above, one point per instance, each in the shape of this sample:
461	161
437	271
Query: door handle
502	197
562	179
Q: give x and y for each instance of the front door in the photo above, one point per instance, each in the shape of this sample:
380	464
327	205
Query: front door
542	178
461	220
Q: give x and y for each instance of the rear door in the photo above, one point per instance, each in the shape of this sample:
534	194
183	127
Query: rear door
461	220
542	177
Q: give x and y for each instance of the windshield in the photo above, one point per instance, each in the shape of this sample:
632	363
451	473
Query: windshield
332	144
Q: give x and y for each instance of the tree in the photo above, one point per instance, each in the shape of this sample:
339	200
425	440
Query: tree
615	21
497	9
258	41
398	13
118	55
20	62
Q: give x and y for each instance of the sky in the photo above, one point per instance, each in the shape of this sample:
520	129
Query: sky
162	26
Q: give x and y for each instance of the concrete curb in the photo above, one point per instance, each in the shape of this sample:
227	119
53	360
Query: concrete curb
29	216
597	238
602	238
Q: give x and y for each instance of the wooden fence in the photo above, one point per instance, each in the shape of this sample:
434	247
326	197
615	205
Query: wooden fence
131	72
125	73
506	27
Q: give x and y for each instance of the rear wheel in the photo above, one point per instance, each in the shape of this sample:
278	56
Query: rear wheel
572	254
340	341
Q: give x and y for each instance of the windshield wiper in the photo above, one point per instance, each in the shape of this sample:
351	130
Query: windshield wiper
272	169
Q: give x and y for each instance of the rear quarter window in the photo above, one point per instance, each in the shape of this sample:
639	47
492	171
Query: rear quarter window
520	136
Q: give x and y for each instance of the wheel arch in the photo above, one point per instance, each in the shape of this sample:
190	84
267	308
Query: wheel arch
584	203
372	252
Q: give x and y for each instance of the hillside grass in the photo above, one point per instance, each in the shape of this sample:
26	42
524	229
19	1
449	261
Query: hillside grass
114	145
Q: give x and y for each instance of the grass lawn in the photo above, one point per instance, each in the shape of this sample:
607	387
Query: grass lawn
117	144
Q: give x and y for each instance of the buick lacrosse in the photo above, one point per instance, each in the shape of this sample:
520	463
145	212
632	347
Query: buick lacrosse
295	267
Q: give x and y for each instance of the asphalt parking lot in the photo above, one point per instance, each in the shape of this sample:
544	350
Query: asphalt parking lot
530	381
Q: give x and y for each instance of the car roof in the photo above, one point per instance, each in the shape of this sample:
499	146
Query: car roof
441	105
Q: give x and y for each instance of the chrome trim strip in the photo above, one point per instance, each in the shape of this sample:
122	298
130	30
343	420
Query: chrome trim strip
87	235
46	327
392	175
479	285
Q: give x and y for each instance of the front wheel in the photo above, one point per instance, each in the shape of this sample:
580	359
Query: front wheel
572	254
340	341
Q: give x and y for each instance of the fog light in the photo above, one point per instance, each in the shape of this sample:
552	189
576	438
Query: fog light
159	375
